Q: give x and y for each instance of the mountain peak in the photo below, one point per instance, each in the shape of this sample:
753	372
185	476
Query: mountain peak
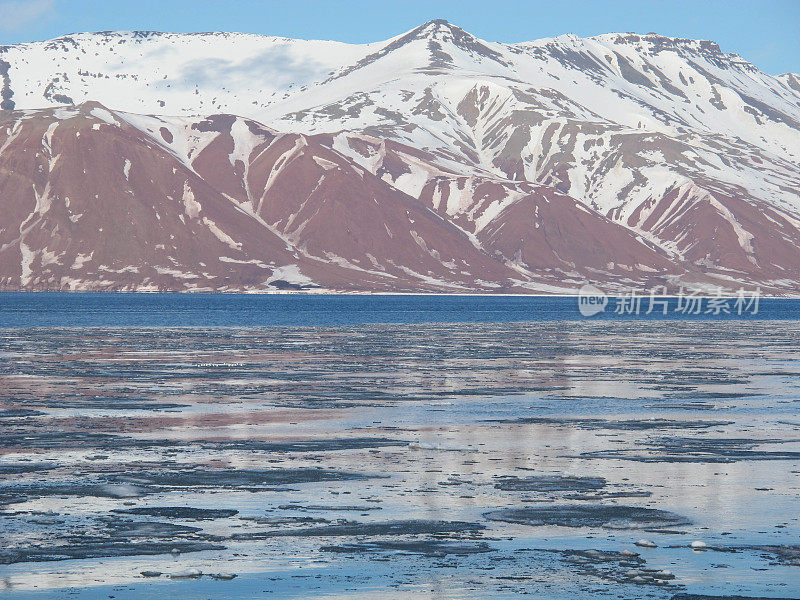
435	26
89	105
440	31
440	39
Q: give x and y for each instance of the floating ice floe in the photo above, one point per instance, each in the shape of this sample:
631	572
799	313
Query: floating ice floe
187	574
121	490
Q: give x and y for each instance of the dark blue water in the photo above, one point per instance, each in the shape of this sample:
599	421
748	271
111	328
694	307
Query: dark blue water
233	310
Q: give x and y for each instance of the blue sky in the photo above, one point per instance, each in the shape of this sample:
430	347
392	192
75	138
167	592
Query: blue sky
765	32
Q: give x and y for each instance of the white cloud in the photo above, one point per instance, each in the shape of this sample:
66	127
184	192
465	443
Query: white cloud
18	14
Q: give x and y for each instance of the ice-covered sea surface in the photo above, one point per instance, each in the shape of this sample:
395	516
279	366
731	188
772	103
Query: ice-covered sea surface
446	460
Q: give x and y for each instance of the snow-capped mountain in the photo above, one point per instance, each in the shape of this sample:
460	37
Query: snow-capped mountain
431	161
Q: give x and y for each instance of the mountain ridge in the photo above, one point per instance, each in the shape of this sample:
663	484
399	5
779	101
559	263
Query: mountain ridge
687	154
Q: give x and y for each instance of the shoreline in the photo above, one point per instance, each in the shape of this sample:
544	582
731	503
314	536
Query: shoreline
762	296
